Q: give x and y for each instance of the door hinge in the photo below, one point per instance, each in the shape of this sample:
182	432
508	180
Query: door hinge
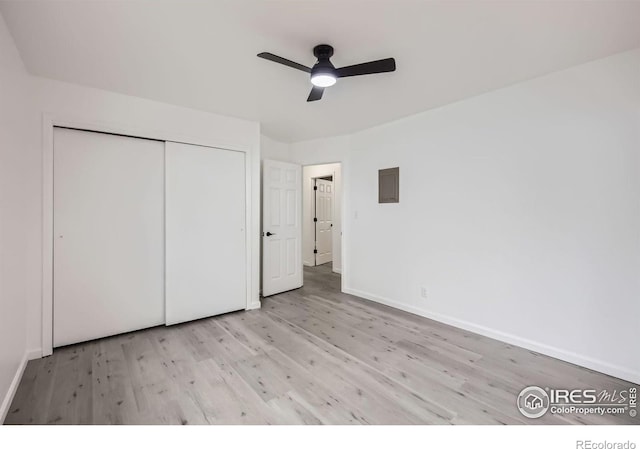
315	251
315	218
315	187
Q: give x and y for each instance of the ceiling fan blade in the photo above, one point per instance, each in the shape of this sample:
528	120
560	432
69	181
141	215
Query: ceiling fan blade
316	93
279	60
367	68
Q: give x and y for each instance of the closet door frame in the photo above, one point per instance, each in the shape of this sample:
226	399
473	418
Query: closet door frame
50	121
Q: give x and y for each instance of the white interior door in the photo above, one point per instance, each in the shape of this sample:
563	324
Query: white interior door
281	227
324	222
108	257
205	232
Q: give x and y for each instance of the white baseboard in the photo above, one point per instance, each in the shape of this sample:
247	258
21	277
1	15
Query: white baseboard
337	270
552	351
13	387
254	305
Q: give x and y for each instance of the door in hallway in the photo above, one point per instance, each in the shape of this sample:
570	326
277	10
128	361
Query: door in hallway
324	220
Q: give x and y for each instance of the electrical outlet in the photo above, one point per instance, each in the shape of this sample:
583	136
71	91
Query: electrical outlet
423	292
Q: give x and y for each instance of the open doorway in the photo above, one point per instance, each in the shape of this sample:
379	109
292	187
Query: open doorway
322	218
301	226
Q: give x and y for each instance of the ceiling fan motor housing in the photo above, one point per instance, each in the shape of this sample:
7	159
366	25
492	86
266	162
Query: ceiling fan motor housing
323	52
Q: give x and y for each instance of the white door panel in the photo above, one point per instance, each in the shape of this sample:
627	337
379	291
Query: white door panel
324	223
205	235
108	258
282	228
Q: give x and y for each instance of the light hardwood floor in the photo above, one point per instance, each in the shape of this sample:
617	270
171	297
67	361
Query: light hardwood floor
311	356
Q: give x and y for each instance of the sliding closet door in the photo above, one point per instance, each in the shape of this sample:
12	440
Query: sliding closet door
108	235
205	235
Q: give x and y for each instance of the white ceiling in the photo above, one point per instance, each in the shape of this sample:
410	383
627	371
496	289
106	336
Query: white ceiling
201	54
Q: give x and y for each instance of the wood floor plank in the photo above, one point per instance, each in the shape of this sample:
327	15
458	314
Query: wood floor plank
71	400
328	364
113	398
239	403
310	356
295	409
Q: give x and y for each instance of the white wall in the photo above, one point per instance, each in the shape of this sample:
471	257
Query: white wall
15	163
321	151
309	172
519	212
274	150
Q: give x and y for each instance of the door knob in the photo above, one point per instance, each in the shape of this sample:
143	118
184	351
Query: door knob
269	234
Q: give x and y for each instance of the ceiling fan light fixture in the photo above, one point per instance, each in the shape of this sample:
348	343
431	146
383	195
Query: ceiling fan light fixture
323	79
324	74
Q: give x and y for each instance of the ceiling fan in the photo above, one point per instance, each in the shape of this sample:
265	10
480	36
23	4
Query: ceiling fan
324	74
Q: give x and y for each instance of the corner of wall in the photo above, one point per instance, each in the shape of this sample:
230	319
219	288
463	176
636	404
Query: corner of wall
13	388
17	168
274	149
